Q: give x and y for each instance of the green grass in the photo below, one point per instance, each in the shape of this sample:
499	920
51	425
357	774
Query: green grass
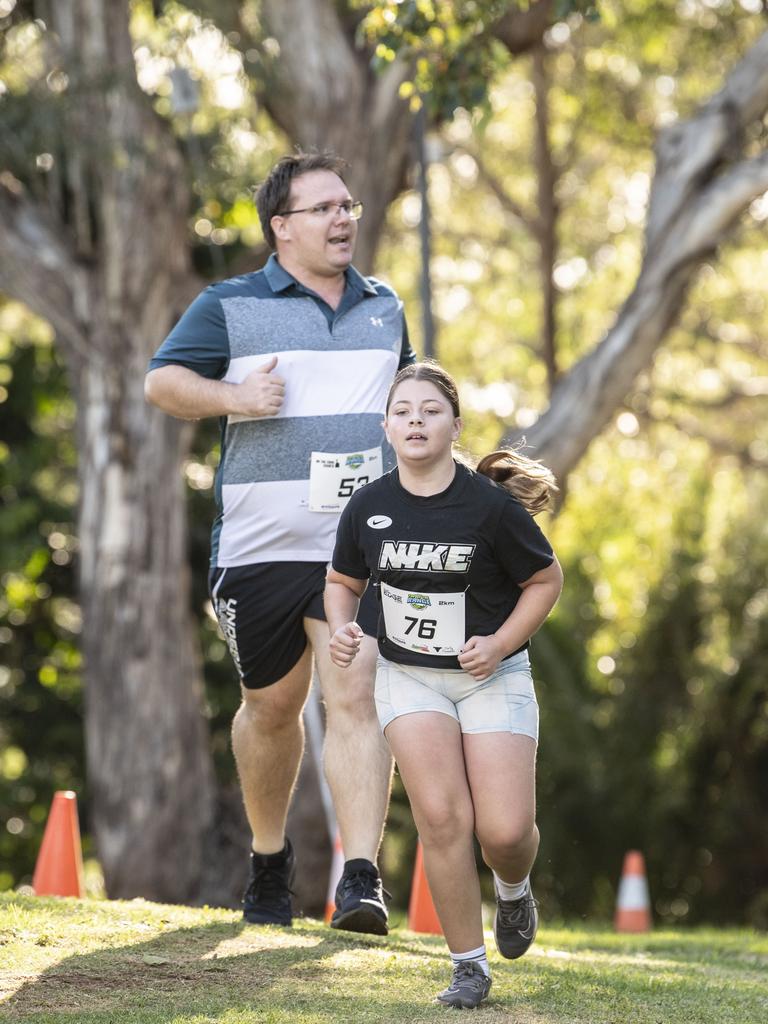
99	962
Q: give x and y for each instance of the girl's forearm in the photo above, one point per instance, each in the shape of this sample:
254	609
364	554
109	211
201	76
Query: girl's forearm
341	605
535	604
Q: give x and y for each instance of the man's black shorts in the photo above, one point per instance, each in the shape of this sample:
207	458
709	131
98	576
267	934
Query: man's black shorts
260	609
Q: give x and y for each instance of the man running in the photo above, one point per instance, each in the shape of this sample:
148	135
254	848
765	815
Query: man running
296	359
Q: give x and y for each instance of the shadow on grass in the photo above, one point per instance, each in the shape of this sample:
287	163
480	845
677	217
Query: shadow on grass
230	970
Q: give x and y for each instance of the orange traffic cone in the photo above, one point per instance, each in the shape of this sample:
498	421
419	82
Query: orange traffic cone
633	905
337	868
422	916
59	868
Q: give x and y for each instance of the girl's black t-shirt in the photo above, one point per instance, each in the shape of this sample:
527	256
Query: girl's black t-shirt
474	538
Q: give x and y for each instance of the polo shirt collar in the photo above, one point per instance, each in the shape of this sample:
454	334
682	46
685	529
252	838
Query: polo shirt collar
359	283
280	280
278	277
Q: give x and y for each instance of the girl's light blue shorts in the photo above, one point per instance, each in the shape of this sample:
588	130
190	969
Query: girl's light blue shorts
504	702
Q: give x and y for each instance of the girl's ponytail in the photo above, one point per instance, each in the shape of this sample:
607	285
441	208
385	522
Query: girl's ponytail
528	480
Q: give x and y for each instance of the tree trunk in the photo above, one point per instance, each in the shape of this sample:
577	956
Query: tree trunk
149	768
322	91
146	744
106	267
546	221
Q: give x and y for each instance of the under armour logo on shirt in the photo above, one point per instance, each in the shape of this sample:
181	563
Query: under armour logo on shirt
377	321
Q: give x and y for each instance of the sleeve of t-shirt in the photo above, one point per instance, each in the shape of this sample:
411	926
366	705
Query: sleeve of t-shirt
520	546
199	340
407	355
347	558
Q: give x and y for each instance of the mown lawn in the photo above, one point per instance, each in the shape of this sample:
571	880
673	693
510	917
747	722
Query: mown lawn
99	962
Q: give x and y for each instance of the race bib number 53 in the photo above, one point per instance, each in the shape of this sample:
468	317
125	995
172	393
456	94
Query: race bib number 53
334	477
424	623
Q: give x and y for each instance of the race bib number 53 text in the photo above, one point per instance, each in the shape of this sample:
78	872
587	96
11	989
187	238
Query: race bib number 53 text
334	477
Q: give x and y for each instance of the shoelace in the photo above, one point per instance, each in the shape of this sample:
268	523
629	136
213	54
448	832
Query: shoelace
357	883
517	913
467	973
268	881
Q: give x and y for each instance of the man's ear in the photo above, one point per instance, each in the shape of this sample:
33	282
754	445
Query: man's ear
279	226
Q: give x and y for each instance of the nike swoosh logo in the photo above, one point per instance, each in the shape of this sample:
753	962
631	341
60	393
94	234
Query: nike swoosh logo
379	522
374	903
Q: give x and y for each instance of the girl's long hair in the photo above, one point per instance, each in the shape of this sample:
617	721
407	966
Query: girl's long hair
526	479
530	481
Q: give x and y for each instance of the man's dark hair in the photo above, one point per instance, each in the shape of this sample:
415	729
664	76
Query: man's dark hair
275	191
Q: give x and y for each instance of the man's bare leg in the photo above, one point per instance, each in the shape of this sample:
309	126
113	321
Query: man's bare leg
358	766
268	743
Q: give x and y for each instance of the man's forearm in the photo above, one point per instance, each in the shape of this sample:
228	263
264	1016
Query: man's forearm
185	394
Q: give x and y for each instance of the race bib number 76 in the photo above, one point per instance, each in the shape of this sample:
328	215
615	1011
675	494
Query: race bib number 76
424	623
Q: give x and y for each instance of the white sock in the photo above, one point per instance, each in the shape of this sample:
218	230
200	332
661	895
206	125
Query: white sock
511	890
479	957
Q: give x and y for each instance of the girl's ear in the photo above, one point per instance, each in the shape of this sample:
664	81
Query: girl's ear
457	428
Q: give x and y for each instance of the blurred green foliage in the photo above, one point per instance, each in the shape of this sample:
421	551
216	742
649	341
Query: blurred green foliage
455	56
41	747
654	702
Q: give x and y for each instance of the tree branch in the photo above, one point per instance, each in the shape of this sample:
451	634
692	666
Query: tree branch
691	427
521	31
691	152
698	211
736	397
699	226
43	273
507	202
308	82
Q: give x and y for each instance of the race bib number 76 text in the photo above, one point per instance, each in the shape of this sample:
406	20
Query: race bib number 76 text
424	623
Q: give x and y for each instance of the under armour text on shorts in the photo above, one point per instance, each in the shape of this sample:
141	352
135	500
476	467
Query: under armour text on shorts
261	610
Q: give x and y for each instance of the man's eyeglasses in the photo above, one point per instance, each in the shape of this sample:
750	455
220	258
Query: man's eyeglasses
352	208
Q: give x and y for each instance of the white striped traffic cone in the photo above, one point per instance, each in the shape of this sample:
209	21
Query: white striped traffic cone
633	905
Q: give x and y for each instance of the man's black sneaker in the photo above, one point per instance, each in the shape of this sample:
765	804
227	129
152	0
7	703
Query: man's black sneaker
267	900
515	924
469	986
360	900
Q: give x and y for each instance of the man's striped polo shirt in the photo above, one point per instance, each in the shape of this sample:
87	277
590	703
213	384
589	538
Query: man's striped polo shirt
338	366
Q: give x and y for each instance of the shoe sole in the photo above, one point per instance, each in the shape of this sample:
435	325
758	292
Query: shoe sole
518	952
254	919
459	1004
513	956
361	920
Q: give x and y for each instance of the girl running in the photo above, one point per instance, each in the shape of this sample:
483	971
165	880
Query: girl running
465	578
